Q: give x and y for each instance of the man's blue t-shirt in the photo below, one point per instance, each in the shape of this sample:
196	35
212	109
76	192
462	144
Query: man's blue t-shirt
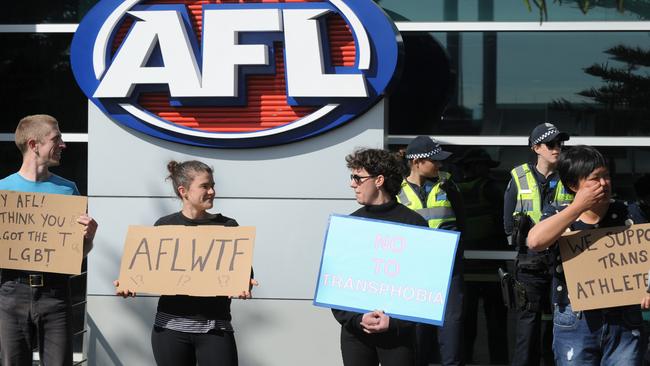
54	184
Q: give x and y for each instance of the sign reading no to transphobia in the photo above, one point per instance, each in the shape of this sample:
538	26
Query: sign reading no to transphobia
404	270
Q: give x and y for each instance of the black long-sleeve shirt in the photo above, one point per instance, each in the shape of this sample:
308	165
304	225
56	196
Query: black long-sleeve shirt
196	307
394	212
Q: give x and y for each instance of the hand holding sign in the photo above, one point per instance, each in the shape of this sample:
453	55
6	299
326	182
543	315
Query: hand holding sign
245	295
122	292
375	322
90	226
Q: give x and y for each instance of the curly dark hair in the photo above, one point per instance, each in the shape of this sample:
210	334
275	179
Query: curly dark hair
380	162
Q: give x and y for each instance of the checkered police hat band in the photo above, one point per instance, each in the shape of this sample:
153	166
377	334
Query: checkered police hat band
545	135
429	154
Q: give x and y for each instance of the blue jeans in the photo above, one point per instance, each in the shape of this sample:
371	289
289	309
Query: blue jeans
32	317
613	336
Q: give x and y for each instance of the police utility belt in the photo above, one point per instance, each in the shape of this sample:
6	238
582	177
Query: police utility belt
539	263
514	294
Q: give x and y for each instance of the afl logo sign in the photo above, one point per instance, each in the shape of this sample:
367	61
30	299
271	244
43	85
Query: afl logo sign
222	73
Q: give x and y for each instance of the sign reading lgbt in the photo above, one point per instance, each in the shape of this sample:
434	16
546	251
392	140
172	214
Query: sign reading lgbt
401	269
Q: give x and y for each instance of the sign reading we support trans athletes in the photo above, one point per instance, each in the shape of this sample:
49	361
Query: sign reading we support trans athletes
606	267
39	232
401	269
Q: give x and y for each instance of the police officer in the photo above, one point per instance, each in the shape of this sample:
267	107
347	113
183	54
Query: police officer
642	189
433	194
532	188
483	201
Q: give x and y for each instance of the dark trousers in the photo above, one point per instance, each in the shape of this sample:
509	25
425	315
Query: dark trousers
172	348
32	316
534	338
496	316
372	349
450	335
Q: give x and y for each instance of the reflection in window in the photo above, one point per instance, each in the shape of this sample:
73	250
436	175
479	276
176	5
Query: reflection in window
511	10
627	164
74	163
44	11
36	78
506	83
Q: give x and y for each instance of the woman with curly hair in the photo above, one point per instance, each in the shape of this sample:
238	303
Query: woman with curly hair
374	337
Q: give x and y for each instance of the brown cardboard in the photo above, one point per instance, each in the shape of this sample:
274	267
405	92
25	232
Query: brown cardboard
606	267
188	260
39	232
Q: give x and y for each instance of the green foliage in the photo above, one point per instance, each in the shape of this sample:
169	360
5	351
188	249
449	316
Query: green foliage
584	6
621	102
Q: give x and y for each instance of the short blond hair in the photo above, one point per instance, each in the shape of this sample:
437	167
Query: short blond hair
33	127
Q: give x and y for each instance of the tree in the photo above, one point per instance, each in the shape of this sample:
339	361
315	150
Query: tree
622	106
584	6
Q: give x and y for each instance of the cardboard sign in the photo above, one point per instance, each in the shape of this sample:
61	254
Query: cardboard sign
188	260
401	269
39	232
606	267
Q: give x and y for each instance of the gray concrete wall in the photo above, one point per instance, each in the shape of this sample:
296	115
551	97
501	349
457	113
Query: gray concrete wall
286	191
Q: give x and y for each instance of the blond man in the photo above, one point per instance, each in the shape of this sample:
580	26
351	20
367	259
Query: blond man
35	306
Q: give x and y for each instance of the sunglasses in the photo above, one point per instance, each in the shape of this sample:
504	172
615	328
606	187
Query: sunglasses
358	179
554	144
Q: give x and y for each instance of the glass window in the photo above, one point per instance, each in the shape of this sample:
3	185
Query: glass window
480	275
44	11
510	10
627	164
587	83
74	163
36	78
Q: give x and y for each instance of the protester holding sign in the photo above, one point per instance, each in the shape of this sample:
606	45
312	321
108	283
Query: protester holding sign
432	194
191	329
35	307
611	336
372	338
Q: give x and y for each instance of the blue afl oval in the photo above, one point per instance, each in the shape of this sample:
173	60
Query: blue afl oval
123	52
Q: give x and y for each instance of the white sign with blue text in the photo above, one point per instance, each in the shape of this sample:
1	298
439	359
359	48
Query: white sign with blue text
404	270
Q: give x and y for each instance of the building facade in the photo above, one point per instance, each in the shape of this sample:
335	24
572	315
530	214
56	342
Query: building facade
477	73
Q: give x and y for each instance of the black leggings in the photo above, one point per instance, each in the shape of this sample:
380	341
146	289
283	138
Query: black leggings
372	349
172	348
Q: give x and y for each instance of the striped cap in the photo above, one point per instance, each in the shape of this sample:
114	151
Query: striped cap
546	132
424	147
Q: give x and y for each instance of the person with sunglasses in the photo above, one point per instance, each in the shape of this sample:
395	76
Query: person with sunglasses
433	195
374	337
533	187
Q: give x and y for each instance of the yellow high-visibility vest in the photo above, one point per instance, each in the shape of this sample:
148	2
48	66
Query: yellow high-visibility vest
438	208
529	198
